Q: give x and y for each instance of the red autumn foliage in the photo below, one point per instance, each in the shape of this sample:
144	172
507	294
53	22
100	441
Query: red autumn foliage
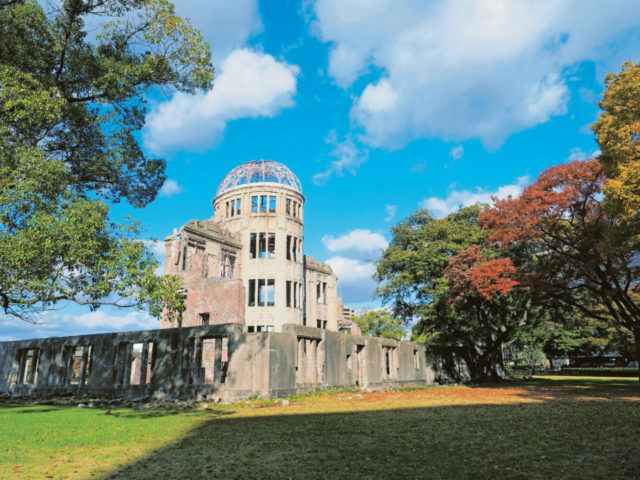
494	277
471	273
563	203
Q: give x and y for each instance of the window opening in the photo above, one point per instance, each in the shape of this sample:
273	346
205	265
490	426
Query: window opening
288	247
208	360
288	206
227	263
250	329
136	364
227	209
204	319
270	292
262	245
262	292
151	361
233	207
288	293
28	373
294	250
271	246
263	204
238	203
294	208
324	293
184	258
272	204
269	328
253	247
252	293
387	361
318	323
254	204
318	292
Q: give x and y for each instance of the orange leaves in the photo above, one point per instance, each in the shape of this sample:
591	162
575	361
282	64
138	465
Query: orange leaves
494	277
471	273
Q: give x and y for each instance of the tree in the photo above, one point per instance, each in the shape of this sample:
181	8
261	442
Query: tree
436	272
71	108
379	323
618	132
579	250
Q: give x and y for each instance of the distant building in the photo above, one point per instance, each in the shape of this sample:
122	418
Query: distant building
246	263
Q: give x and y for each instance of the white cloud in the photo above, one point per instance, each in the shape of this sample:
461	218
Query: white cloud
358	243
460	69
441	207
378	98
456	152
170	188
354	265
347	156
250	85
578	154
64	324
355	278
391	212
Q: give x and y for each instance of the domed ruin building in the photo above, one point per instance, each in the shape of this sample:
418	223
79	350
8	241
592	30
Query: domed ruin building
246	263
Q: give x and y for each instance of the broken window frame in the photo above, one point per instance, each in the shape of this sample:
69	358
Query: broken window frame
270	293
204	318
263	203
253	245
227	263
262	245
271	245
29	359
262	291
251	294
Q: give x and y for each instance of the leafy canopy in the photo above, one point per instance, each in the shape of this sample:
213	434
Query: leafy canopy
439	273
71	108
379	323
618	132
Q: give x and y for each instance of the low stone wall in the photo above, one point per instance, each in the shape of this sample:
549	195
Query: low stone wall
217	362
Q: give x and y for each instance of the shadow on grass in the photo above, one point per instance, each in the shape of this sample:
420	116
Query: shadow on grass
544	436
165	412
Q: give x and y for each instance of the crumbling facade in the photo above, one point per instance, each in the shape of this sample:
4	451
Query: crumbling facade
252	249
217	362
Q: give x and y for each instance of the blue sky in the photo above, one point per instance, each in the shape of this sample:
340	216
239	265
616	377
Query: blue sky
380	108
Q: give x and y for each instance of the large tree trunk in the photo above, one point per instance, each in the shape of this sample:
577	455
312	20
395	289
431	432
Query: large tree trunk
636	336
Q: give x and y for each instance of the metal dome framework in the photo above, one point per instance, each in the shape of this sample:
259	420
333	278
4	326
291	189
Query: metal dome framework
259	171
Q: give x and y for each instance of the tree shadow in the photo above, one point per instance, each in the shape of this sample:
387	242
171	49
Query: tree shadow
536	435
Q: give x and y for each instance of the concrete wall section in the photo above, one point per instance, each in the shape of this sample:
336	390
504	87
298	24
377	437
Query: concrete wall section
219	362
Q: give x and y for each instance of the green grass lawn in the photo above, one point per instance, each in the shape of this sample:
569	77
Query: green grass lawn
550	427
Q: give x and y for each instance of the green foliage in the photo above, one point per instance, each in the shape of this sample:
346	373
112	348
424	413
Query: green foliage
379	323
71	109
425	275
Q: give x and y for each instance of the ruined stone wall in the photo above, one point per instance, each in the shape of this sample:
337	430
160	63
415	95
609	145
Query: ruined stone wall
218	362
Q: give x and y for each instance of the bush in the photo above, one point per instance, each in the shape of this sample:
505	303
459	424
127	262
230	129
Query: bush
601	372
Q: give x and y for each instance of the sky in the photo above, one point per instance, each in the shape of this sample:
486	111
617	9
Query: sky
381	108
